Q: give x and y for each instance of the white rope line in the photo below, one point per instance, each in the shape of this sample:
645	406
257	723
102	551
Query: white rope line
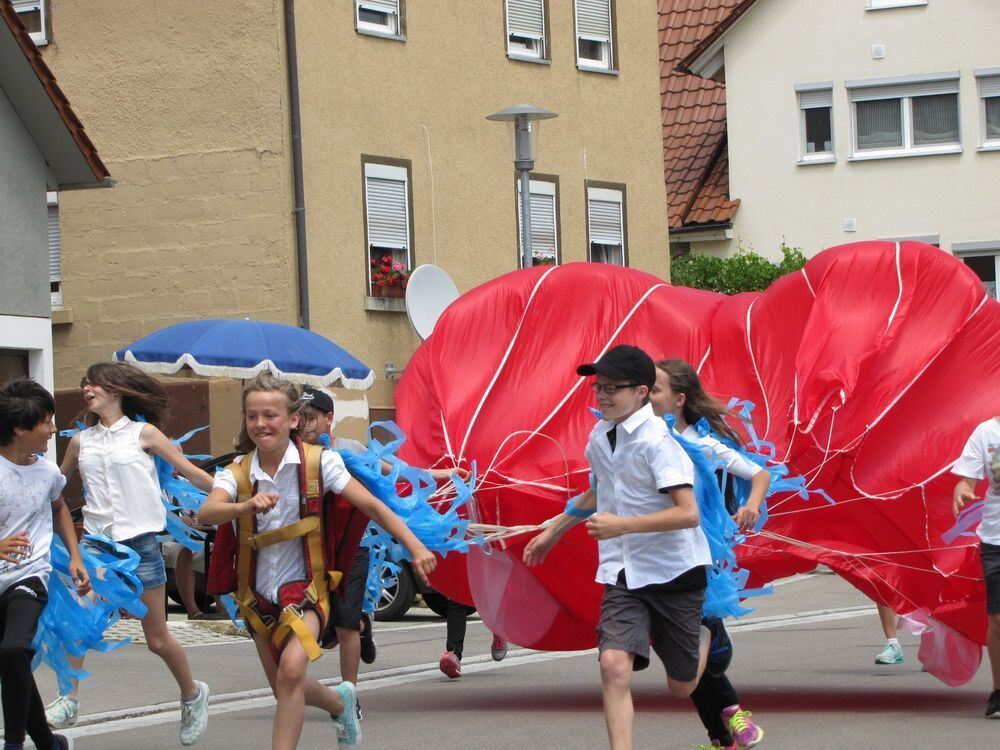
756	372
899	297
808	283
703	359
580	380
506	356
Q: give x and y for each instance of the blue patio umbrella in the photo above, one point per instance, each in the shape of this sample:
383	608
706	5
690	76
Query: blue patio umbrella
243	348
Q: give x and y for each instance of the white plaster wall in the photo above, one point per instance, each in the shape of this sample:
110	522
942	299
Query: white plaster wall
779	44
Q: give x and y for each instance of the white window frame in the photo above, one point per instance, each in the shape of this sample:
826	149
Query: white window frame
904	89
375	170
815	96
40	38
988	86
55	265
606	63
519	50
962	250
392	29
886	4
539	187
607	195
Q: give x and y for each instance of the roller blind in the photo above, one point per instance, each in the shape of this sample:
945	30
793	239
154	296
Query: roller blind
387	206
526	18
593	19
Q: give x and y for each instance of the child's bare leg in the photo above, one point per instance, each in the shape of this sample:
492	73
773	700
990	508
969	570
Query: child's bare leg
616	685
317	695
164	645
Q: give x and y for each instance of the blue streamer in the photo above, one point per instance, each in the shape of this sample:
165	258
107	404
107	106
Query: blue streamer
969	517
69	625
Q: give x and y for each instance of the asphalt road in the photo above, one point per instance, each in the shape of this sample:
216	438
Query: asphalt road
803	665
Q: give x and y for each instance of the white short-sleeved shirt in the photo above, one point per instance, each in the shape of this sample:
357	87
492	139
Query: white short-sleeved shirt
646	459
124	498
26	497
980	460
716	451
282	562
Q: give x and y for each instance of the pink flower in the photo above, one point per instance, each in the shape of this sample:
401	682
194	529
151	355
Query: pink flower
397	266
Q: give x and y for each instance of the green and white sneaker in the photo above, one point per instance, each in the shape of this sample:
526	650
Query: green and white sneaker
348	726
194	715
891	654
62	712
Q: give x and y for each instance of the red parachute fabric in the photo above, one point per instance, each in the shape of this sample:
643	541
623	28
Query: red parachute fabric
869	370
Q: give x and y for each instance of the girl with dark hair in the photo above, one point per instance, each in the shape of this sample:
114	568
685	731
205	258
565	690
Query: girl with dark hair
678	391
123	502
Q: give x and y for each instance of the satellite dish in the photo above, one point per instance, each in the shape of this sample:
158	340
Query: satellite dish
428	292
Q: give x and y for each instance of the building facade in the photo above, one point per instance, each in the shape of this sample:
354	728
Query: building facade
869	119
397	158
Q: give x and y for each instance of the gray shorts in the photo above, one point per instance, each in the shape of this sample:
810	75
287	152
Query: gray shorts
666	614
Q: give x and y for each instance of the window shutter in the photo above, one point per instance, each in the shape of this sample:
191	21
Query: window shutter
388	224
385	6
543	220
815	99
989	86
525	18
605	221
928	88
593	19
55	248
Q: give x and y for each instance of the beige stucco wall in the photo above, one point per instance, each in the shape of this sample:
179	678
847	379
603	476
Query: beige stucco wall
425	100
185	103
779	44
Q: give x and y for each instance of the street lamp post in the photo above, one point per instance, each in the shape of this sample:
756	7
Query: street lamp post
524	120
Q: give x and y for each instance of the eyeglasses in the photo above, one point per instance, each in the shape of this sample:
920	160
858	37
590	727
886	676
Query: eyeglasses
610	389
85	381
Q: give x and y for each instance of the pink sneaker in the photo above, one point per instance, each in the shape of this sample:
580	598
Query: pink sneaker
450	664
498	649
745	732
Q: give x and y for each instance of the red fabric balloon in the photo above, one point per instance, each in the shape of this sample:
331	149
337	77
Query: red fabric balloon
869	370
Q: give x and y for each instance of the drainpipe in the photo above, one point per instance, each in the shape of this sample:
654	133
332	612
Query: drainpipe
296	128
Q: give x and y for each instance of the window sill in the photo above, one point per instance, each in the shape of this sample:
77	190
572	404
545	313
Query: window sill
594	69
62	316
897	4
989	147
902	154
385	304
381	34
806	161
528	59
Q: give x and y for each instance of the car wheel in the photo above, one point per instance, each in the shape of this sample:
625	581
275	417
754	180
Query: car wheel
397	599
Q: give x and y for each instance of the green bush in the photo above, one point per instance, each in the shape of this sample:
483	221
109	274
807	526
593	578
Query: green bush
743	272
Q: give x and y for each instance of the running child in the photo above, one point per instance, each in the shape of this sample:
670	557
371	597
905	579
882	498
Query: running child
263	491
31	506
653	555
123	502
678	391
979	460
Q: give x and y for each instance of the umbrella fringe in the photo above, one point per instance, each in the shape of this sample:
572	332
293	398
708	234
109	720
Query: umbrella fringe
225	371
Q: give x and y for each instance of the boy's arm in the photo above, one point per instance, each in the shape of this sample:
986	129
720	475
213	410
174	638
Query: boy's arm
62	524
965	492
684	515
539	547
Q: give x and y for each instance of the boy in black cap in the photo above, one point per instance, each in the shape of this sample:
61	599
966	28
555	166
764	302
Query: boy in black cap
653	556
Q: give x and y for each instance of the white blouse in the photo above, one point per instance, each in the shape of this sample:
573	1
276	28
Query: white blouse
123	495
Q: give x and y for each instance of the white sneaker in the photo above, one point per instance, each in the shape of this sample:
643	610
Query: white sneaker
194	715
62	712
349	728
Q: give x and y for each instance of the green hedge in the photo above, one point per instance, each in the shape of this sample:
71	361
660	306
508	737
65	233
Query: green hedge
743	272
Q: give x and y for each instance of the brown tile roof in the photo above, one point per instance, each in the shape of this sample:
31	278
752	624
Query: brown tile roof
695	158
58	98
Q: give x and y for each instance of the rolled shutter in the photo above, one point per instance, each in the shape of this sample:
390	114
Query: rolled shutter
526	18
388	220
55	247
605	222
593	19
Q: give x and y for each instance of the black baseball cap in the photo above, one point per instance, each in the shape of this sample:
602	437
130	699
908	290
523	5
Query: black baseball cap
317	399
623	363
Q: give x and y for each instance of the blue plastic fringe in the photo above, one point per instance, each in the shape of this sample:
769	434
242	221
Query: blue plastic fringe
70	625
